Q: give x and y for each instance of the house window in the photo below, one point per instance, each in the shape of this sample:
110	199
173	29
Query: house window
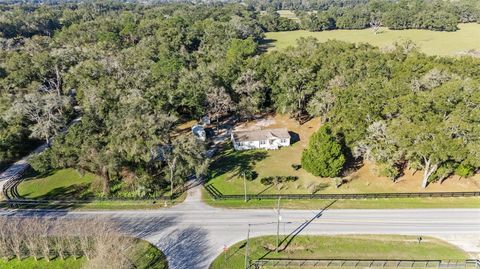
262	142
283	140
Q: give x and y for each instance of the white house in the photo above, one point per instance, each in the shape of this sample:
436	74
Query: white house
261	139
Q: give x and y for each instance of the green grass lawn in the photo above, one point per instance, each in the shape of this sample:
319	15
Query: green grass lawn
340	247
60	184
430	42
393	203
68	184
144	256
30	263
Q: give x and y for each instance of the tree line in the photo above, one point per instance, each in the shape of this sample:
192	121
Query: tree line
436	15
134	73
100	244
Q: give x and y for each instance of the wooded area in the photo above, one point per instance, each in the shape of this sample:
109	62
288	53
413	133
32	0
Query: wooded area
321	15
134	72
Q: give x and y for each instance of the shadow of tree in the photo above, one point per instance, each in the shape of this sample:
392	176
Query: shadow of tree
232	161
75	191
142	227
266	43
289	238
186	248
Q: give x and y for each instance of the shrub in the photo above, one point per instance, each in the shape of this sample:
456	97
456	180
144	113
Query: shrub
266	181
296	166
465	170
324	156
388	170
277	180
249	175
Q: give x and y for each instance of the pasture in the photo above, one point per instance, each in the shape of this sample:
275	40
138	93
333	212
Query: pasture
429	42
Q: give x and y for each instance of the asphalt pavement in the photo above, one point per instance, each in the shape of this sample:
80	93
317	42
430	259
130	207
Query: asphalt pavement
192	233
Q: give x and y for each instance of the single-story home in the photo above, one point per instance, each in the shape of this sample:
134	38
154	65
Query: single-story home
261	139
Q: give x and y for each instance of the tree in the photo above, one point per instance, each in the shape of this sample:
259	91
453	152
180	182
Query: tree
183	156
323	156
47	111
251	93
293	92
218	103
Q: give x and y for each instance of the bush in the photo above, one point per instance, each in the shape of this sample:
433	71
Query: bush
266	181
324	156
277	180
250	175
465	170
388	170
296	166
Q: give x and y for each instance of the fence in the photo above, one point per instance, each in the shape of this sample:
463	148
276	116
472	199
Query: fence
359	263
217	195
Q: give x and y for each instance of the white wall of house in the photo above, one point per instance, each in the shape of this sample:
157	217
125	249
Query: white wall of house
263	144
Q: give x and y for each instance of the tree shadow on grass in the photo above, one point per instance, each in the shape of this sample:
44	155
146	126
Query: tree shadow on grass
266	43
72	192
233	161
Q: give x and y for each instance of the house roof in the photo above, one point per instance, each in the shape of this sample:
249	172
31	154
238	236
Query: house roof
258	135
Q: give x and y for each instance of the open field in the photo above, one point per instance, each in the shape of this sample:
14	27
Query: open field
144	256
342	246
288	14
68	184
225	169
430	42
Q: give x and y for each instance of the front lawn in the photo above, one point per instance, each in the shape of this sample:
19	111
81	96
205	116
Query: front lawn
340	247
225	170
60	184
69	184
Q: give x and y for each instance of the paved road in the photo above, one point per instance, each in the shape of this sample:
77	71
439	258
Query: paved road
192	234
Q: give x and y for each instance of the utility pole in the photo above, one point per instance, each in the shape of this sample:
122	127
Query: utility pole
246	248
245	185
278	224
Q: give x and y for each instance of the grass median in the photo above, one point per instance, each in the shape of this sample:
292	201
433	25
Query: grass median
340	247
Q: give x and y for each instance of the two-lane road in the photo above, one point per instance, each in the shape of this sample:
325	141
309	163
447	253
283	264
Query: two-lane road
192	234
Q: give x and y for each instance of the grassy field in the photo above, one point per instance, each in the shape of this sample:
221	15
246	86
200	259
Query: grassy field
61	184
226	167
343	246
394	203
430	42
144	256
68	184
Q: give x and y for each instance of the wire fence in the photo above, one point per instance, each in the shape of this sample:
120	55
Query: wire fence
360	263
217	195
